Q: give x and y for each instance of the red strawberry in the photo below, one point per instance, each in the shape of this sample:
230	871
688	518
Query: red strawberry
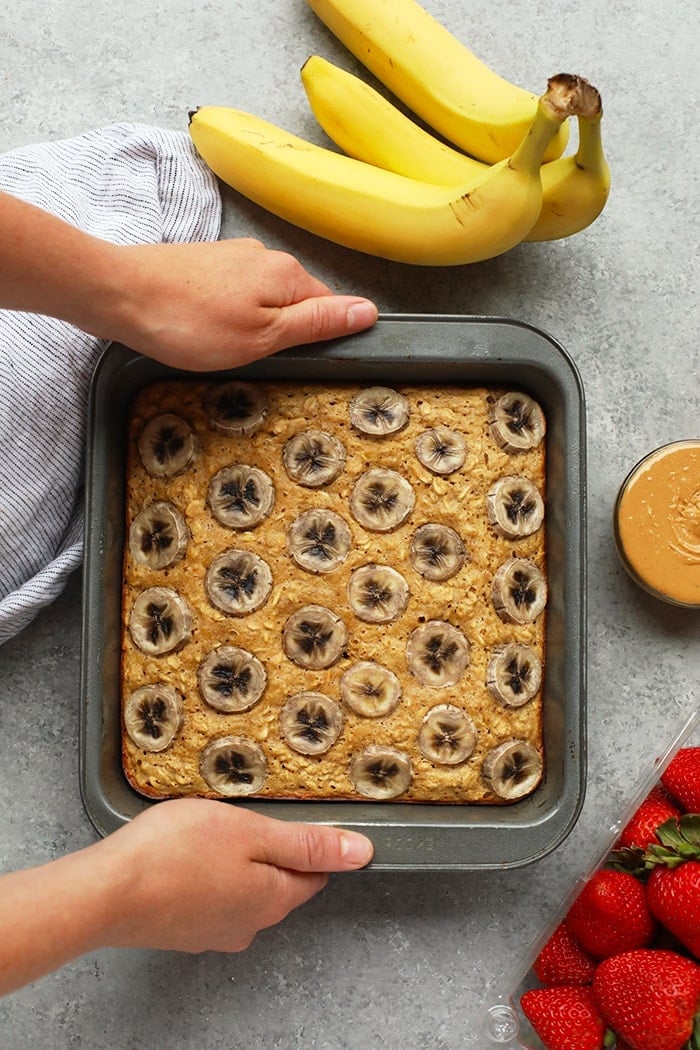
563	960
565	1018
650	997
673	887
682	778
640	830
611	914
673	895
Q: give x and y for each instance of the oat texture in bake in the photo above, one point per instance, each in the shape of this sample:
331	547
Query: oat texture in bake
334	592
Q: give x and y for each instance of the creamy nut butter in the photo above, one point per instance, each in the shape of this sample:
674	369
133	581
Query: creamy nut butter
657	523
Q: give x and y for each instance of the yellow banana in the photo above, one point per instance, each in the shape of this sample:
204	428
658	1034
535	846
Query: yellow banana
365	125
377	211
575	188
436	76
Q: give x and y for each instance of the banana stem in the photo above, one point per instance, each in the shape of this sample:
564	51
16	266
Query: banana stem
589	155
566	96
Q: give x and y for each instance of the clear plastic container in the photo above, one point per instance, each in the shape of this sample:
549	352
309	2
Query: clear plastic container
504	1026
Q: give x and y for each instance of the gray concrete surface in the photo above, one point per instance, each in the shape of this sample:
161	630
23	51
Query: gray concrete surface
384	960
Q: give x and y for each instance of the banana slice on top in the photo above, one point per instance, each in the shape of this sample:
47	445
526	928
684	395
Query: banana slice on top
377	593
447	735
370	689
514	674
158	536
160	621
153	715
515	507
516	422
518	591
379	410
381	499
238	582
437	654
314	637
241	496
437	552
313	458
318	540
231	679
311	723
236	407
512	769
381	772
233	765
441	450
166	445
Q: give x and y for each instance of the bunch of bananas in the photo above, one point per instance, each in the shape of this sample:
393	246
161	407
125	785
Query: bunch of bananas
397	191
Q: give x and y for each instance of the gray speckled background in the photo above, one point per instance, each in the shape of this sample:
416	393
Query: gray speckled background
390	960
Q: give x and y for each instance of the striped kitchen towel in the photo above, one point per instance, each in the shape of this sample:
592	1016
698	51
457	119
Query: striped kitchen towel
126	183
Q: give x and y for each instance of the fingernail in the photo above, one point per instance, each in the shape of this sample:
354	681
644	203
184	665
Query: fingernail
354	848
361	315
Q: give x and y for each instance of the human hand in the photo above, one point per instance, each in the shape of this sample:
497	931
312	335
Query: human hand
207	876
214	306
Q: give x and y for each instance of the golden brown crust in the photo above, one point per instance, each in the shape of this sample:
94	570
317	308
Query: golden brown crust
457	500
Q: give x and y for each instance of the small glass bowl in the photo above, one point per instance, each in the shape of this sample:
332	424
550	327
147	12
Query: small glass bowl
657	455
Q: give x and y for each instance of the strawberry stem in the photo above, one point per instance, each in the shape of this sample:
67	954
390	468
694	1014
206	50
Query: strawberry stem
629	859
694	1041
680	841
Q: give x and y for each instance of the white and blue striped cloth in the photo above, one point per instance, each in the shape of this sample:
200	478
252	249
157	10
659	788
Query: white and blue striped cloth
129	184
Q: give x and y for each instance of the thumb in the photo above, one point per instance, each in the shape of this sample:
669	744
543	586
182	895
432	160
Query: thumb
323	317
311	847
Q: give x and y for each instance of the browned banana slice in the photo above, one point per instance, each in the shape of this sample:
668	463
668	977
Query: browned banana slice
314	637
370	689
381	772
236	407
166	445
515	507
153	715
158	536
234	765
514	674
241	496
447	735
377	593
516	422
437	653
437	552
381	499
441	450
160	621
231	679
379	410
311	723
313	458
519	591
238	582
512	769
319	540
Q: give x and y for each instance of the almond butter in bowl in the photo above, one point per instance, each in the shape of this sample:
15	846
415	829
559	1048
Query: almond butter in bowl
657	523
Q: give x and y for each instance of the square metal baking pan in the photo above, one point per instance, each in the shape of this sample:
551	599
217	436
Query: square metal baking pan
421	349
